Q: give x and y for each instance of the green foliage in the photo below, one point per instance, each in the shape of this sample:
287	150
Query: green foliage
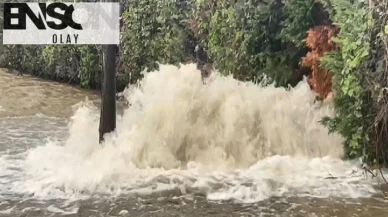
79	64
296	18
90	69
154	32
377	81
137	38
348	65
246	38
62	62
250	39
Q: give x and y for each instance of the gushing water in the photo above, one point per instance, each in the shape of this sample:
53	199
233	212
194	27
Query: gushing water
224	138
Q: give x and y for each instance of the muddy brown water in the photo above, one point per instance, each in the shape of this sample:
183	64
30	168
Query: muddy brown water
33	109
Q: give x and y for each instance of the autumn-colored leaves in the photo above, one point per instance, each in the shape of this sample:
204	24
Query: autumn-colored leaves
319	41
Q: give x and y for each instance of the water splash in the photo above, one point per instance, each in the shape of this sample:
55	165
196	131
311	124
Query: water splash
176	119
229	139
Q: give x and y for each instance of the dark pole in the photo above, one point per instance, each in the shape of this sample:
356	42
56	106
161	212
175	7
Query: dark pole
108	91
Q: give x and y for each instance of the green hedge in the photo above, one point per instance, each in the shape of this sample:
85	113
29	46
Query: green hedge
248	39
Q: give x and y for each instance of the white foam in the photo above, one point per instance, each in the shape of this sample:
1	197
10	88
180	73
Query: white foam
230	139
7	211
54	209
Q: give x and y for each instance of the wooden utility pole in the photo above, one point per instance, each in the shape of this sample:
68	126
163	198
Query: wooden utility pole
108	90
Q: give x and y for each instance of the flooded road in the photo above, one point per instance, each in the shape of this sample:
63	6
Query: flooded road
181	149
27	95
